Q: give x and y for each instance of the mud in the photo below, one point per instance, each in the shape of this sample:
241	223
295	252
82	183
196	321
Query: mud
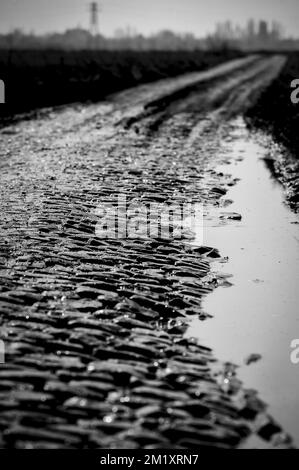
94	328
275	114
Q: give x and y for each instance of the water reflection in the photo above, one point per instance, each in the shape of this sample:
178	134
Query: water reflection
258	314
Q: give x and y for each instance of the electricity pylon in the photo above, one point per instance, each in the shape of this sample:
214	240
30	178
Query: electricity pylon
94	18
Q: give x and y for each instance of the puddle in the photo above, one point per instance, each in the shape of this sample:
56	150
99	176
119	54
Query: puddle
257	310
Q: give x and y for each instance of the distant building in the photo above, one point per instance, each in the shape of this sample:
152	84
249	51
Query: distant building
263	31
76	39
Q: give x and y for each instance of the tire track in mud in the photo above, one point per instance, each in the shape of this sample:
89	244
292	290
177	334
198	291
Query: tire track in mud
93	328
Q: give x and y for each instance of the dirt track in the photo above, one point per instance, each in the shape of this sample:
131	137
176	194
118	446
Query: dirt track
93	329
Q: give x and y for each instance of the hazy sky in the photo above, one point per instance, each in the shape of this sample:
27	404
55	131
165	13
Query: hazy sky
197	16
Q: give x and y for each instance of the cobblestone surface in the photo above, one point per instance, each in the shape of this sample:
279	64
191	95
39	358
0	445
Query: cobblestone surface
93	328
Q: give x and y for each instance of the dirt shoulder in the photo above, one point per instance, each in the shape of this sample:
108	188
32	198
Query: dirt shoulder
275	113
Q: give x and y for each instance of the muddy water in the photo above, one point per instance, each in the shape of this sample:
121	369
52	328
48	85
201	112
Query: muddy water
257	310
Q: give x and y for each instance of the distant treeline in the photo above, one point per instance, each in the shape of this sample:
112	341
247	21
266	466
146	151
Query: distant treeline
78	39
36	79
254	35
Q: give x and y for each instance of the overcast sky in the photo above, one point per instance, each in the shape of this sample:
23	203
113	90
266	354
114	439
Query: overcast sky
147	16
